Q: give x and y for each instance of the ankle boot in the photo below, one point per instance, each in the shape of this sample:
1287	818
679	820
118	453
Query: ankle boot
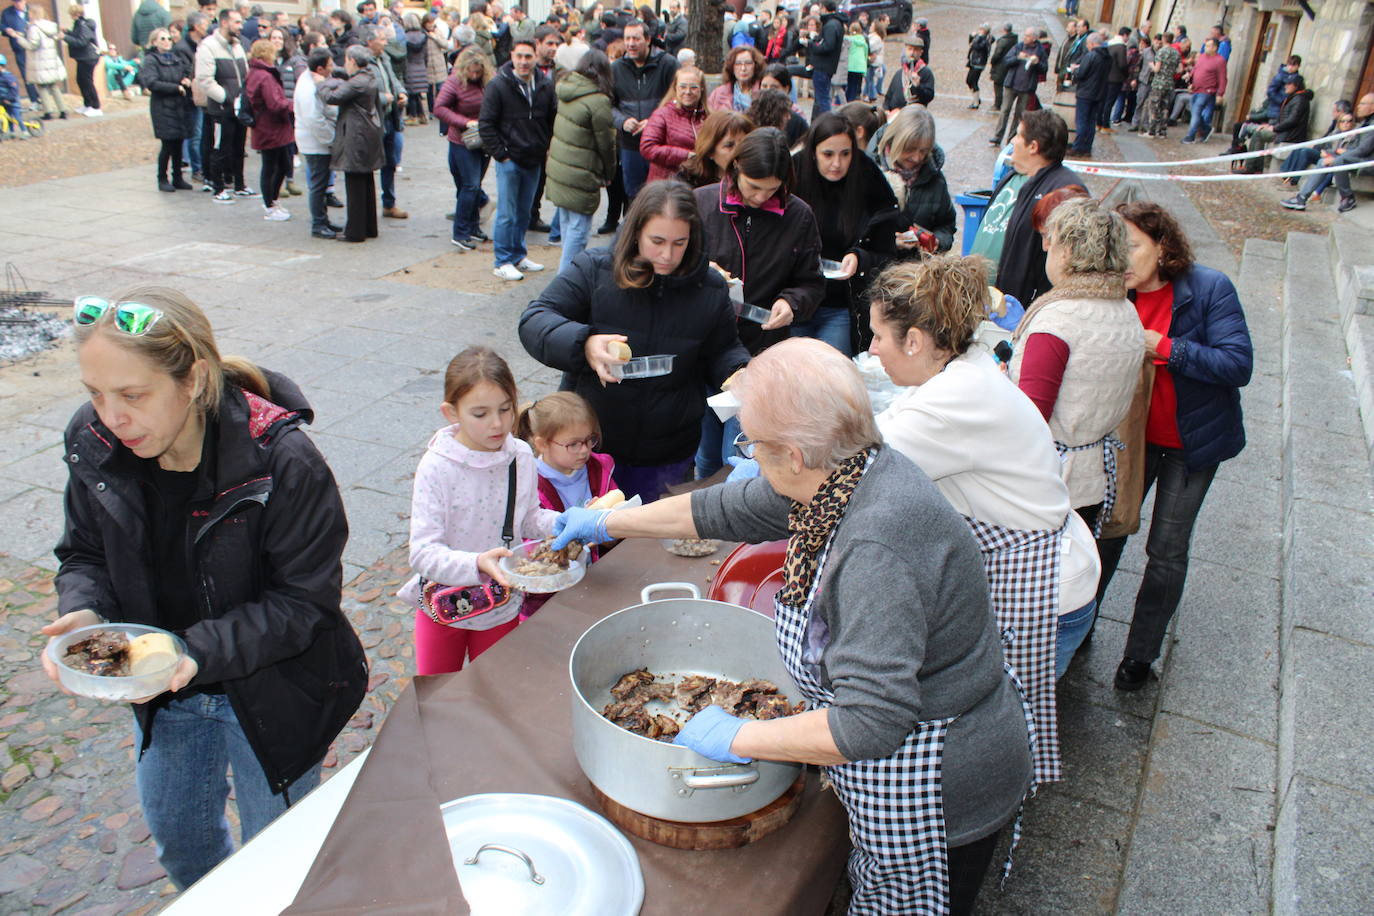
181	184
163	184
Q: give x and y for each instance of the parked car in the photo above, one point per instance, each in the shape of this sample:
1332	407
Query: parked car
898	11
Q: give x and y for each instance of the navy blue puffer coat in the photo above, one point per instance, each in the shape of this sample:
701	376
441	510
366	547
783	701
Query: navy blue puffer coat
1210	361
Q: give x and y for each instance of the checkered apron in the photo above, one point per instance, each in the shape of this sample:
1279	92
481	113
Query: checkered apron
1023	585
1110	445
896	812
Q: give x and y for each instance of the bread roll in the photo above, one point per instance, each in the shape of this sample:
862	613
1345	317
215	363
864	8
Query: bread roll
150	653
608	501
621	350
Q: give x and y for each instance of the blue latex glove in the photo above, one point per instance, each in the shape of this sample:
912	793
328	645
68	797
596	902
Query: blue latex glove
577	524
744	468
710	733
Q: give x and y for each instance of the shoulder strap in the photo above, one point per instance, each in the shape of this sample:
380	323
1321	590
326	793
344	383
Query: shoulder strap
508	529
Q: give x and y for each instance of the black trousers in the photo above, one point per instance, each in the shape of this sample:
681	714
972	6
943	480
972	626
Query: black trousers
968	865
615	197
275	162
360	214
169	154
85	80
227	162
209	132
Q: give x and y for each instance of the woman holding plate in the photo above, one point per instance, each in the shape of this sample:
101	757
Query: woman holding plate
195	503
890	638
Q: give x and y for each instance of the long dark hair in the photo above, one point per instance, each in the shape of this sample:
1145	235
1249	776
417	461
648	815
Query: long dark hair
764	153
669	198
813	188
596	66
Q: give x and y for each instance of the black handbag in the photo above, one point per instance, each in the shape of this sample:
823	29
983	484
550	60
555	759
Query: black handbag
243	109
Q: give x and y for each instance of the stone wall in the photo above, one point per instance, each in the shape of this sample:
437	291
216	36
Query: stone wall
1333	49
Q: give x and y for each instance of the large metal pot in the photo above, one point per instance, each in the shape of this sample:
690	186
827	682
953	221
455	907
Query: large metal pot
673	636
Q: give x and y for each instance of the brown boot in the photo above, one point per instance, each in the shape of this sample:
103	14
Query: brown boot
395	213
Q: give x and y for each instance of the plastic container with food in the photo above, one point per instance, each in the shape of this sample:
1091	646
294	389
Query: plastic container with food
644	367
540	583
150	656
691	547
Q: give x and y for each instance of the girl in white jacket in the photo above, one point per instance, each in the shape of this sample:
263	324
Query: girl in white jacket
458	509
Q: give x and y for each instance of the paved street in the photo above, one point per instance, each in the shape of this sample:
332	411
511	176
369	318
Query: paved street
1168	800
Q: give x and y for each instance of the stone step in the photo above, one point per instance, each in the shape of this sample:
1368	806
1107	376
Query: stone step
1208	784
1325	772
1352	263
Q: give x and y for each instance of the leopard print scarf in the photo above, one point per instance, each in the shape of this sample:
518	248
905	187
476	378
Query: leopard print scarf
812	524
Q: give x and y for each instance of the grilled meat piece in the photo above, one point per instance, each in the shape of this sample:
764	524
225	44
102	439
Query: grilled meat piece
726	694
629	682
694	692
771	706
629	716
104	654
663	728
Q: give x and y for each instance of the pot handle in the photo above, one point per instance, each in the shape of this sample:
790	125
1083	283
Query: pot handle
529	863
645	596
742	776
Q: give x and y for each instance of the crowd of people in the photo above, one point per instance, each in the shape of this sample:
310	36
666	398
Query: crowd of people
762	261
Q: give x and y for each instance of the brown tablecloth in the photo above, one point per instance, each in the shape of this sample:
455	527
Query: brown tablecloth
505	725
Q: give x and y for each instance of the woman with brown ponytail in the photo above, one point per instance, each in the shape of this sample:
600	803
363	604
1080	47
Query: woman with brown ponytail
196	503
654	293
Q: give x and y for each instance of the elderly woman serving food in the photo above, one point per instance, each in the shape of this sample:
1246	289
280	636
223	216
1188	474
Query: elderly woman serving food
890	639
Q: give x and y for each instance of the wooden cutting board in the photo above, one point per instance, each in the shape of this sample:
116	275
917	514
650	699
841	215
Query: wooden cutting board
731	834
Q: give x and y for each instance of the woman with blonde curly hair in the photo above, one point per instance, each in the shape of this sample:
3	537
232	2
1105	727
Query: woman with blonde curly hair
990	453
1079	348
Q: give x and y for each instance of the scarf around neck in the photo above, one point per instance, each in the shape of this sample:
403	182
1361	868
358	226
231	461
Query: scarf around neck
812	524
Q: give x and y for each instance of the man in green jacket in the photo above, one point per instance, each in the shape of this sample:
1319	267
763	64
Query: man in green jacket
147	17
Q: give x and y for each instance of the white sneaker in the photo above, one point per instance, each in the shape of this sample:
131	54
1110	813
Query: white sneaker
93	113
245	192
508	272
277	214
224	197
529	266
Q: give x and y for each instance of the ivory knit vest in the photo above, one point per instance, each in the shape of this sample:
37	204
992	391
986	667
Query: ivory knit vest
1106	342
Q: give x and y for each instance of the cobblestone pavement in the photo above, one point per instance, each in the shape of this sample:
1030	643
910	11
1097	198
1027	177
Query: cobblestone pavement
366	333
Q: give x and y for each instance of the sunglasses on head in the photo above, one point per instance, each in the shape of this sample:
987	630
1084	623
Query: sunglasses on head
130	317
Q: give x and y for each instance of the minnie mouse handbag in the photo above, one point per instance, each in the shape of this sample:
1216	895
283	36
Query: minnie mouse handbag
447	605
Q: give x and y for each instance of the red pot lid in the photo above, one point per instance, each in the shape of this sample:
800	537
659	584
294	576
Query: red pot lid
750	576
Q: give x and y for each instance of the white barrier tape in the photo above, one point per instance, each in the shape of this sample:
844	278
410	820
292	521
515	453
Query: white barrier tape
1146	176
1076	164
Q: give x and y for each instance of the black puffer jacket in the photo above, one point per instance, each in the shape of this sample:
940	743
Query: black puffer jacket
643	421
979	47
776	253
824	51
161	74
639	90
516	121
1090	79
266	537
926	201
1294	115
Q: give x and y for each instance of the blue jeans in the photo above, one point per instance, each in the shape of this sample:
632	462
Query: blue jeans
183	788
515	186
1085	125
873	85
717	441
634	169
556	229
317	178
1200	128
820	82
190	151
829	324
1073	628
576	227
1178	501
393	143
1301	159
467	168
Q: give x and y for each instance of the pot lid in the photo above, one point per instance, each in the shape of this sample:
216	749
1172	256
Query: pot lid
525	855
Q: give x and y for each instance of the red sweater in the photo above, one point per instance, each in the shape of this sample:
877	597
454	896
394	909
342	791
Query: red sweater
669	138
273	116
1156	311
1209	74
